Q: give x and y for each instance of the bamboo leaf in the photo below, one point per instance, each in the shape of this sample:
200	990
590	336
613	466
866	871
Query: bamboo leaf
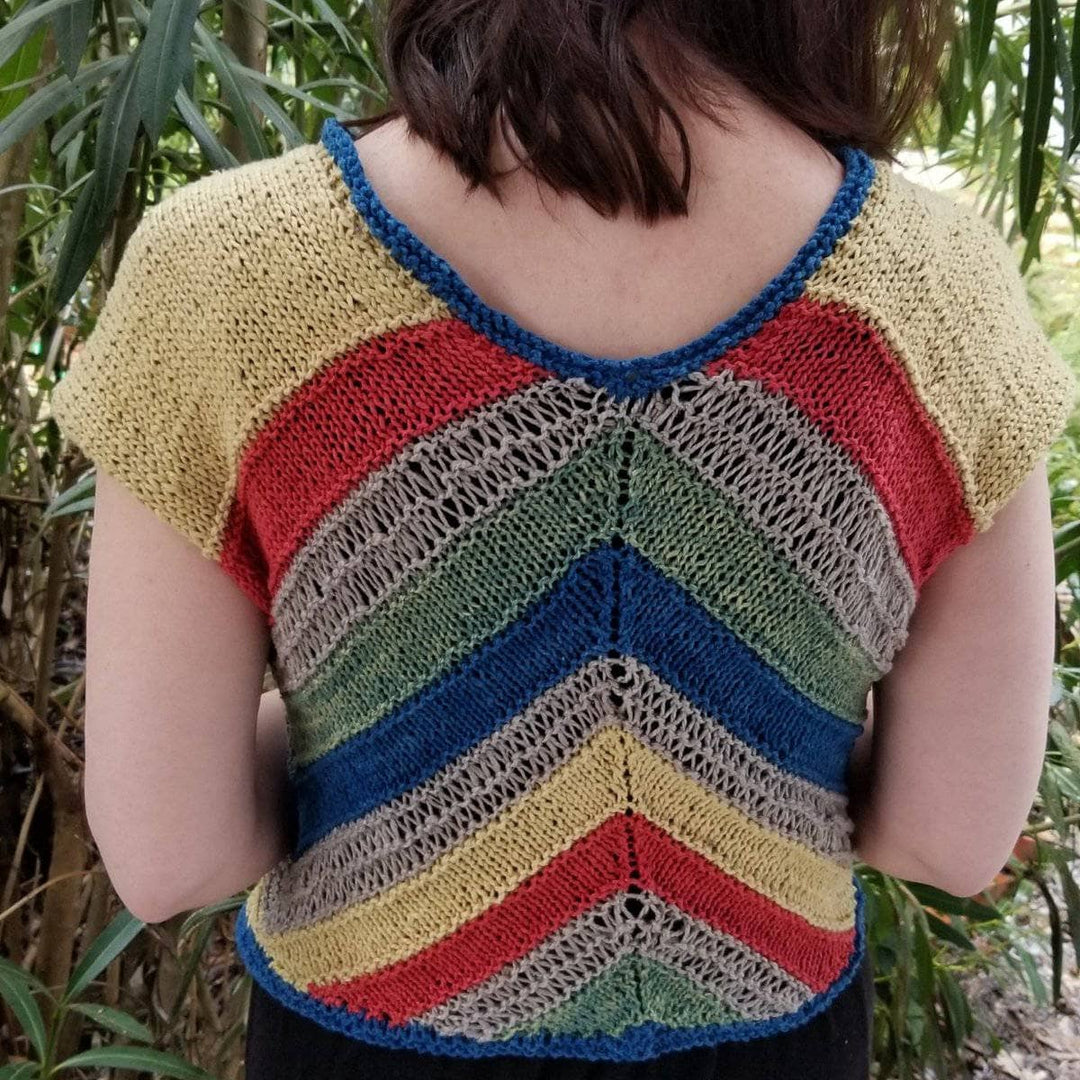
342	31
1061	739
53	97
19	69
982	14
165	49
71	500
109	944
947	932
973	910
84	231
1071	892
140	1058
117	128
1068	112
957	1009
276	115
22	1070
19	29
71	29
210	912
16	992
28	977
1034	978
225	64
249	77
190	966
72	127
1038	107
218	156
115	1020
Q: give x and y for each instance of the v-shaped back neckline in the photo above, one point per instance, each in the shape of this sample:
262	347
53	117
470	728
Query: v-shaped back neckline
627	377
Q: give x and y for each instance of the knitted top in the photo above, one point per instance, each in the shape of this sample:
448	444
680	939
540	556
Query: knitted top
574	649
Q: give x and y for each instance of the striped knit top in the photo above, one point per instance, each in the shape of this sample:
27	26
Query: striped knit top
574	649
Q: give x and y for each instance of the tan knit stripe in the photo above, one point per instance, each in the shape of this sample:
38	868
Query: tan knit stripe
404	515
969	364
801	490
581	794
403	837
585	947
397	520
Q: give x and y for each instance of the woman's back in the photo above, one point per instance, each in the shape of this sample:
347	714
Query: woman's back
619	287
579	548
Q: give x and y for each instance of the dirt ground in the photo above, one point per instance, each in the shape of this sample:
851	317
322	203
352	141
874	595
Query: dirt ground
1040	1042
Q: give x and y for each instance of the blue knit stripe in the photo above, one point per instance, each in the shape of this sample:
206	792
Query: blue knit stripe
661	624
639	1043
622	378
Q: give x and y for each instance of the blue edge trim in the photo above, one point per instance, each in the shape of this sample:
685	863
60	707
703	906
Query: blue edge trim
559	632
621	378
639	1043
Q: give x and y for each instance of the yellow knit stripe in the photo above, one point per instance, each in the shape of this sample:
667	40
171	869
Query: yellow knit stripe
167	403
578	797
974	353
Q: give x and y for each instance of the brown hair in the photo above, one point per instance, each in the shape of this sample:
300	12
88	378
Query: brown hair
564	78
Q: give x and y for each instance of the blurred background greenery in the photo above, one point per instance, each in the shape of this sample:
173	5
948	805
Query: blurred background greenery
105	105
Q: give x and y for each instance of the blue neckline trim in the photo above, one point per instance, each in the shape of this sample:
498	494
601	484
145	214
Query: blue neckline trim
639	1043
622	378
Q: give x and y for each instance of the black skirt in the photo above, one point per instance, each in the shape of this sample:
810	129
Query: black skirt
834	1045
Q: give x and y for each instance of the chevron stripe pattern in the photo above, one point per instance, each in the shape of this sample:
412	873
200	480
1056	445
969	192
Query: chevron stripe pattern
573	670
574	650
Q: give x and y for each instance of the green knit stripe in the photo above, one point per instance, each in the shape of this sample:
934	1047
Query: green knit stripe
488	576
479	585
696	535
634	990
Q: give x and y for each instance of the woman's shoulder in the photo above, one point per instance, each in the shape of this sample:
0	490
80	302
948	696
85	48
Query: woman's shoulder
264	246
942	288
232	293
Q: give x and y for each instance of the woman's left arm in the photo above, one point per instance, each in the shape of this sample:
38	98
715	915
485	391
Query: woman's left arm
185	780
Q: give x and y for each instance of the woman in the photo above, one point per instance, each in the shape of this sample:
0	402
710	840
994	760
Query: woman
580	516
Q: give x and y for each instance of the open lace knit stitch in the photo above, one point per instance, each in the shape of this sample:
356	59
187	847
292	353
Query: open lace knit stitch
574	649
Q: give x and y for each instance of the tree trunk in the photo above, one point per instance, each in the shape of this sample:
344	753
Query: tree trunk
244	31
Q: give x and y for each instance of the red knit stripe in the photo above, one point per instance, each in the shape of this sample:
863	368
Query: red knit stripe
687	879
843	375
585	874
344	423
578	878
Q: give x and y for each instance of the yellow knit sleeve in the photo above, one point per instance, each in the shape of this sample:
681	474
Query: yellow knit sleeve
140	397
1021	392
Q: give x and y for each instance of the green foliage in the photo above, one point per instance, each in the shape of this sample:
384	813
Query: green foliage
20	990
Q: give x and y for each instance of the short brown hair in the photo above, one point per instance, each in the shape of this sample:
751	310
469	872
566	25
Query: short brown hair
566	78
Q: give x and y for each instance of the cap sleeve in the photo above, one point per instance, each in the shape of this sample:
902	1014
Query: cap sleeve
140	398
1020	393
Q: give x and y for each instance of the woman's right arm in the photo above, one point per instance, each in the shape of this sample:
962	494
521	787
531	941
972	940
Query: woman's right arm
959	722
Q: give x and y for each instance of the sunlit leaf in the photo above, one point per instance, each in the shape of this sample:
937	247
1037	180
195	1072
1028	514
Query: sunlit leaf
18	69
19	29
